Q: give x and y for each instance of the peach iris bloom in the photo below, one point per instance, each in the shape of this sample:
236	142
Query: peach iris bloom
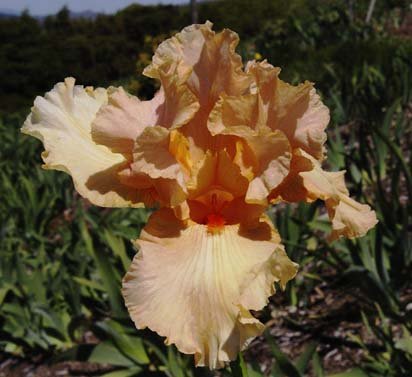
215	146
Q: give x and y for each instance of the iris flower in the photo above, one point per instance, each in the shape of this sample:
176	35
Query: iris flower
215	147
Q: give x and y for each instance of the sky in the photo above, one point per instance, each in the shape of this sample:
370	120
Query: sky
43	7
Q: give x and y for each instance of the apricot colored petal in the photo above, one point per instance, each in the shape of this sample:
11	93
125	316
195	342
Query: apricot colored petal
180	105
193	287
302	116
179	147
349	218
295	110
202	174
238	211
62	121
265	80
261	278
292	188
265	159
273	155
231	112
123	119
209	57
152	158
234	211
228	175
217	171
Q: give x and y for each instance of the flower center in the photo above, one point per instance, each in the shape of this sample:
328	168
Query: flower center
215	222
209	208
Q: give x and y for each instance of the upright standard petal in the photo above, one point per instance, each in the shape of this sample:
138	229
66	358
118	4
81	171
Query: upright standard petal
297	111
209	66
304	118
210	59
195	287
263	154
62	121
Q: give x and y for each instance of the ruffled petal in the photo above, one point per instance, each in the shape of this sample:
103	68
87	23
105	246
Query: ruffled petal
307	181
62	121
264	157
304	118
231	113
209	60
295	110
217	171
292	189
272	155
349	218
123	119
206	61
154	167
196	287
265	81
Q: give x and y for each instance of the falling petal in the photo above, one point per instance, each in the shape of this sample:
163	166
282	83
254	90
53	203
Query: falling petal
196	287
62	121
349	218
123	119
155	164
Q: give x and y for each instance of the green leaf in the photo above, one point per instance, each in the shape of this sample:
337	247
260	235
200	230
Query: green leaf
3	293
405	344
106	273
238	367
107	353
283	363
357	372
124	372
130	346
396	150
317	366
88	283
117	245
304	359
79	352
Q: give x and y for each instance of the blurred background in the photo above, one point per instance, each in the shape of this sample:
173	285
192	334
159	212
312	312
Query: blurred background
349	311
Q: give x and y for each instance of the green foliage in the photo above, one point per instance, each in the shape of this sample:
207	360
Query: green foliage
62	261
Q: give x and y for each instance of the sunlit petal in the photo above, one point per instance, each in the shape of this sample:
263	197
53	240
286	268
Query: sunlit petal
295	110
195	287
292	188
271	152
217	171
307	181
208	59
118	123
156	167
62	121
349	218
263	154
304	118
